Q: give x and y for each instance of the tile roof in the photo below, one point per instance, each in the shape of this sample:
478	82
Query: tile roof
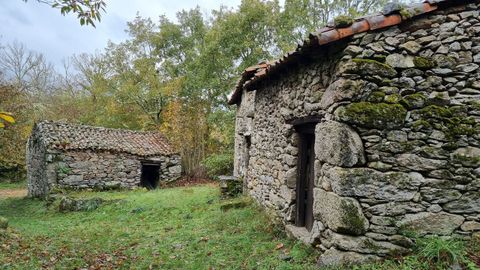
67	136
388	17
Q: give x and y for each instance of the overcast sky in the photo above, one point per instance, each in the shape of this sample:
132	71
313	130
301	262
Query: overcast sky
44	29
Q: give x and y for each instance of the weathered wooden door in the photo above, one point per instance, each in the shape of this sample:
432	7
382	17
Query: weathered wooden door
305	177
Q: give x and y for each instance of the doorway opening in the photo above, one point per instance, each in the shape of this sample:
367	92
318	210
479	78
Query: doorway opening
150	176
305	176
246	160
246	153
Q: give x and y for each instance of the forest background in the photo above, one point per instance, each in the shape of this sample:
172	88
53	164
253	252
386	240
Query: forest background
172	76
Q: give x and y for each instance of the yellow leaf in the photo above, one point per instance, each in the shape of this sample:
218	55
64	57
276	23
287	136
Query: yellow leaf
2	125
7	117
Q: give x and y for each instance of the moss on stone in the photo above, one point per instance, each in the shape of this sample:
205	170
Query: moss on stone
457	129
423	63
380	58
342	21
407	146
406	14
351	219
434	111
373	115
393	98
466	160
376	96
413	101
369	67
420	125
370	244
452	121
450	146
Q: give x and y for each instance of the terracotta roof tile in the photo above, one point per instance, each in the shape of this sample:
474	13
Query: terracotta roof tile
67	136
329	34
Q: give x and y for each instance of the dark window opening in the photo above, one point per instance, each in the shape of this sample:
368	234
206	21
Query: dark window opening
305	176
150	176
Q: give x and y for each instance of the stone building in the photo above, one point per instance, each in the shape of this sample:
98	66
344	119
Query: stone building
72	156
368	131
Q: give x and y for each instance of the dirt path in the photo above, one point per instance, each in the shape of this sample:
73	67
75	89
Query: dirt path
12	193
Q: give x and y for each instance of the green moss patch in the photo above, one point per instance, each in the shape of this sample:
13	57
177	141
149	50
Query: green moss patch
414	101
351	219
369	67
454	122
373	115
376	96
393	98
342	21
423	63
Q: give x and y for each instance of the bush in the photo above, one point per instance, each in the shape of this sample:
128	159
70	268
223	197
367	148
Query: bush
3	223
12	173
218	164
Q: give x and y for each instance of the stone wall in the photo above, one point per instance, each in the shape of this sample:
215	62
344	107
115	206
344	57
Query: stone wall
89	169
398	145
77	169
36	159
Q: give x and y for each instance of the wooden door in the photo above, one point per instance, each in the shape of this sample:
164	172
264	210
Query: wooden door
305	177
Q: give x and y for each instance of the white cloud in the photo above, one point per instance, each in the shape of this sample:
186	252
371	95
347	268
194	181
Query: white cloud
45	30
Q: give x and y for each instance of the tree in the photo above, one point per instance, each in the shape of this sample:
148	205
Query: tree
25	69
300	17
87	11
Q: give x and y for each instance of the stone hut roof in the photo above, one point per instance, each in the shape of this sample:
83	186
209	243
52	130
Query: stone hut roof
392	14
68	136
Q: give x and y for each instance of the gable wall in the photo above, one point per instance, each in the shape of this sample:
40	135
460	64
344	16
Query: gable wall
398	146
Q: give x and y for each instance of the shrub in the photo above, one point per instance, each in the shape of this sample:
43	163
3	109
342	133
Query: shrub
3	223
218	164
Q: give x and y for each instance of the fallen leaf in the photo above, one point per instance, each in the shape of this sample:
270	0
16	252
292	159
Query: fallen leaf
279	246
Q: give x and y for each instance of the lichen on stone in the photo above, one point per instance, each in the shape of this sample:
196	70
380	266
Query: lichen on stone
373	115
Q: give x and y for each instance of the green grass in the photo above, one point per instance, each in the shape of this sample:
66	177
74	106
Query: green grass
15	185
432	253
178	228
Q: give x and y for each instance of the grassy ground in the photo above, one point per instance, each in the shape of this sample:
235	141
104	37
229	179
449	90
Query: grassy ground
16	185
177	228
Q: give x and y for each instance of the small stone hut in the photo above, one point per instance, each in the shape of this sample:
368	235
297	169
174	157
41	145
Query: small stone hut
368	131
63	155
